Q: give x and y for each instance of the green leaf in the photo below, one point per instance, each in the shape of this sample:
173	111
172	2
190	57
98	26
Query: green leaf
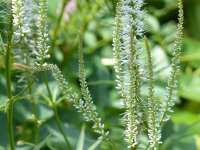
45	112
185	117
152	23
177	137
52	8
2	44
43	95
61	99
93	146
99	92
22	110
39	146
159	63
89	38
190	87
80	143
2	107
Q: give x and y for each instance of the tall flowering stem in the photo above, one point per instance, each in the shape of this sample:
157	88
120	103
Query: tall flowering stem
42	53
168	100
16	27
8	85
117	57
128	31
154	131
14	20
132	112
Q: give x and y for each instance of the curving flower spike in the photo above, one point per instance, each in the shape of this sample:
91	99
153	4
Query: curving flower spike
86	106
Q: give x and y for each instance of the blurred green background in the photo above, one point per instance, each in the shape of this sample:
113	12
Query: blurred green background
94	18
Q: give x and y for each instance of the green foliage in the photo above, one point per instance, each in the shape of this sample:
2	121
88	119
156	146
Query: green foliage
95	20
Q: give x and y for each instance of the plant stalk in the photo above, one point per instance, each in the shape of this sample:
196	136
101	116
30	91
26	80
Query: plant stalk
60	126
26	88
32	99
110	142
36	128
8	85
35	120
53	106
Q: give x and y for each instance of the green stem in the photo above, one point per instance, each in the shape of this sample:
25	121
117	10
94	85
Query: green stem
26	88
32	99
47	85
8	86
17	43
10	125
60	126
36	128
134	148
111	143
147	146
35	119
53	106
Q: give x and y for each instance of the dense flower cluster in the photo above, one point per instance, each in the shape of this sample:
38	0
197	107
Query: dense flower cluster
129	29
18	18
42	39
